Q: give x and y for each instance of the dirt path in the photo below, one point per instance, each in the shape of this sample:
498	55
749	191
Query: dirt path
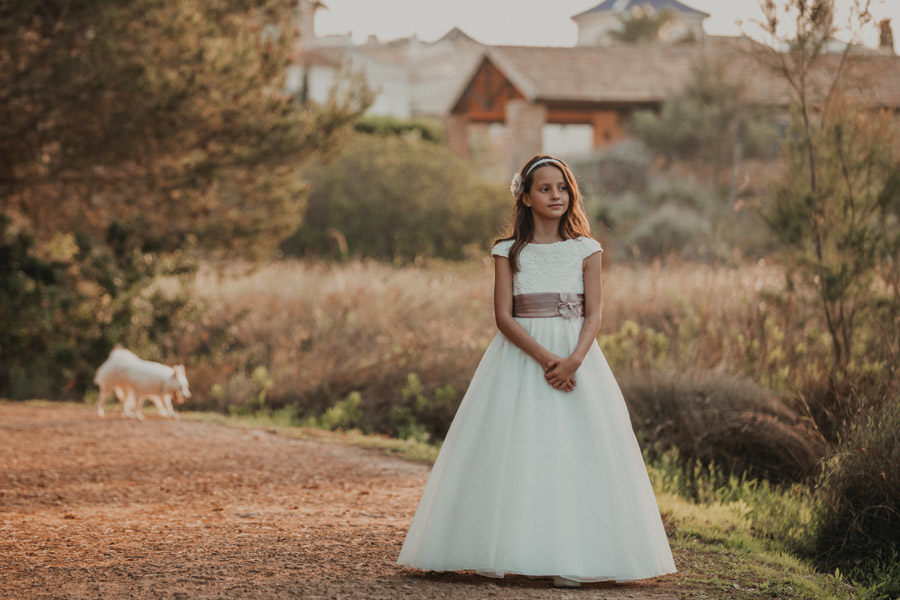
114	508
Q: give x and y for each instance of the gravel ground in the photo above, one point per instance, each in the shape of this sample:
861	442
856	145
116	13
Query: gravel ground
115	508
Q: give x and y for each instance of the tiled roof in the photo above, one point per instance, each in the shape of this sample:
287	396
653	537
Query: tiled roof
456	33
320	57
626	5
652	73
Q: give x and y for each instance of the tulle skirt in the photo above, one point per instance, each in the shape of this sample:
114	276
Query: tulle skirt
536	481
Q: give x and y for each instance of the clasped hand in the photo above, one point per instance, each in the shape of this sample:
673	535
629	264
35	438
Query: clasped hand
560	372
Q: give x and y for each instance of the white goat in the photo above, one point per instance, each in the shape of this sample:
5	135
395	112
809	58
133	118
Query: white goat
134	380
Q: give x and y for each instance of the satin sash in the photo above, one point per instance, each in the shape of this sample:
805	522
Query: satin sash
549	304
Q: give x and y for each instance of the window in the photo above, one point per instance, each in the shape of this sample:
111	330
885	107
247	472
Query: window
569	139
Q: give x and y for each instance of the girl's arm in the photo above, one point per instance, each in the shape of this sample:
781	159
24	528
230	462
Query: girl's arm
563	369
508	326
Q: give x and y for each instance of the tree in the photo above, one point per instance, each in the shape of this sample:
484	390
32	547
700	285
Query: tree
642	26
398	198
133	133
708	125
175	111
836	209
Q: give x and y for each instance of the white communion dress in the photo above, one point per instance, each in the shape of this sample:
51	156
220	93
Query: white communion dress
537	481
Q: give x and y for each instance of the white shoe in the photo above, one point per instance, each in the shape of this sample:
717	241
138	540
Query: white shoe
565	582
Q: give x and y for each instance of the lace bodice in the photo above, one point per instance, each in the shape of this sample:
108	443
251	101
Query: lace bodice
553	267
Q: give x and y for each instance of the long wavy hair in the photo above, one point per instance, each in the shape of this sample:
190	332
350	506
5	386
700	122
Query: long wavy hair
574	223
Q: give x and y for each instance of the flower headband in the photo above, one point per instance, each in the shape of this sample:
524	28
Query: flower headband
517	183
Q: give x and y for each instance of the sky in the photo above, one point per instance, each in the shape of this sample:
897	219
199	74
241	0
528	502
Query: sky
531	22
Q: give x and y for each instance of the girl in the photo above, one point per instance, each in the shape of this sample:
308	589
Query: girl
540	473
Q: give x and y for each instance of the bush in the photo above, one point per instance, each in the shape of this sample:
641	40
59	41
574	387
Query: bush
429	130
345	414
668	190
857	525
722	420
670	229
622	168
398	199
652	214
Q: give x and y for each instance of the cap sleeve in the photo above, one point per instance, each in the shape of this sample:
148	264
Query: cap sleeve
502	248
589	246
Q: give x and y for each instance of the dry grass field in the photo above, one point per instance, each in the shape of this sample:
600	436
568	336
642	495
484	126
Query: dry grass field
390	349
324	330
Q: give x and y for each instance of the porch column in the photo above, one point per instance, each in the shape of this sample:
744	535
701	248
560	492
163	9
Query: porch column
525	124
607	128
457	134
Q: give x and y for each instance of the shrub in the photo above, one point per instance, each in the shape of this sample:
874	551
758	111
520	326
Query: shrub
670	229
398	199
345	414
429	130
857	525
405	425
723	420
705	123
668	190
622	168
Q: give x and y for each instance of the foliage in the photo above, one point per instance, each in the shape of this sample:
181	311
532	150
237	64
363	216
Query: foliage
134	133
169	110
669	229
837	219
642	26
399	336
653	214
430	130
778	514
708	124
616	170
345	414
723	420
398	199
836	209
68	302
857	523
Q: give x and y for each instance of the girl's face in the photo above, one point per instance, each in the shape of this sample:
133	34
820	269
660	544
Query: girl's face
549	196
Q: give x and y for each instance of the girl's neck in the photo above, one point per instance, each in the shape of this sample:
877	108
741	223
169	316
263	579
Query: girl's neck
546	232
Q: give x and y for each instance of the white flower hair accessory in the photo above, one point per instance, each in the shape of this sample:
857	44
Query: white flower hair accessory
515	186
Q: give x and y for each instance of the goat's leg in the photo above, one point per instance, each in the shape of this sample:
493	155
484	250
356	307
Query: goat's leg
169	408
101	400
133	405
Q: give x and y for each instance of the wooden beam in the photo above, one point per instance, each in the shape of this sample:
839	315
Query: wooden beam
562	115
607	127
486	94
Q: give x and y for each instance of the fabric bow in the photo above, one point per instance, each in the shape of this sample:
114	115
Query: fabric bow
569	306
515	186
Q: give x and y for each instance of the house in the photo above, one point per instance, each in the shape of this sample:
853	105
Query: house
574	100
410	77
507	103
